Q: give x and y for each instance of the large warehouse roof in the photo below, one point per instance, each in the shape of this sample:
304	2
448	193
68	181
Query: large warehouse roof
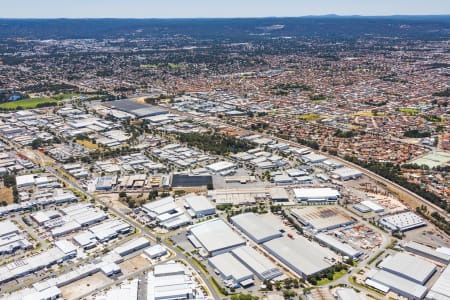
315	193
408	266
259	228
140	110
441	288
321	217
337	245
215	235
258	263
230	267
400	285
302	256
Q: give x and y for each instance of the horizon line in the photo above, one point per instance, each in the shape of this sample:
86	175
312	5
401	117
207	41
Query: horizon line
211	18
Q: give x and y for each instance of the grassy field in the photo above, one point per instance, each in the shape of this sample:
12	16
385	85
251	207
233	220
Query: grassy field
311	117
336	276
26	103
409	111
87	144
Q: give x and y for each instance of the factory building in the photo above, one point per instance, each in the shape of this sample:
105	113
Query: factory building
409	267
214	237
338	246
132	246
300	255
10	239
257	263
386	281
231	269
170	281
199	205
427	252
402	222
321	218
257	227
373	206
316	195
441	288
346	173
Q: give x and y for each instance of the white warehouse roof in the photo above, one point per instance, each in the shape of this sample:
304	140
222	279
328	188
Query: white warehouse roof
258	227
316	193
400	285
216	236
258	263
408	266
302	256
230	268
441	288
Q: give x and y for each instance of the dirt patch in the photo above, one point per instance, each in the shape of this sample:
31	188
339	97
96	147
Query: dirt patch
6	195
85	285
134	264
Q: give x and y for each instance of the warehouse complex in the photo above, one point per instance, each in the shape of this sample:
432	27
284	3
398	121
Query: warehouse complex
402	222
302	256
259	228
214	237
338	246
230	268
409	267
321	218
316	195
257	263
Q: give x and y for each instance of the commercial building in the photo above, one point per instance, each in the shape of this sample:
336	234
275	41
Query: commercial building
338	246
132	246
397	284
221	166
373	206
257	263
321	218
348	294
302	256
170	281
230	268
346	173
140	110
313	158
402	221
183	180
441	288
10	239
409	267
259	228
215	237
427	252
200	205
279	195
314	195
85	240
19	268
155	251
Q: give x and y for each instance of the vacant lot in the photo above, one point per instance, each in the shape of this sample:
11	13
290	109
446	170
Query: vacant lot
84	286
134	264
6	195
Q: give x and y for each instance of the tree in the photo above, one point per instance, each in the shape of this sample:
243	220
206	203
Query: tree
36	143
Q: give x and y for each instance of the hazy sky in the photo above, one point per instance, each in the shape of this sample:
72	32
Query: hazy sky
214	8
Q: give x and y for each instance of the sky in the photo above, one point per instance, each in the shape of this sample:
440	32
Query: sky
215	8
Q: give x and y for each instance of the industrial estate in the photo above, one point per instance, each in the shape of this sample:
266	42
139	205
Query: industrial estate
214	180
